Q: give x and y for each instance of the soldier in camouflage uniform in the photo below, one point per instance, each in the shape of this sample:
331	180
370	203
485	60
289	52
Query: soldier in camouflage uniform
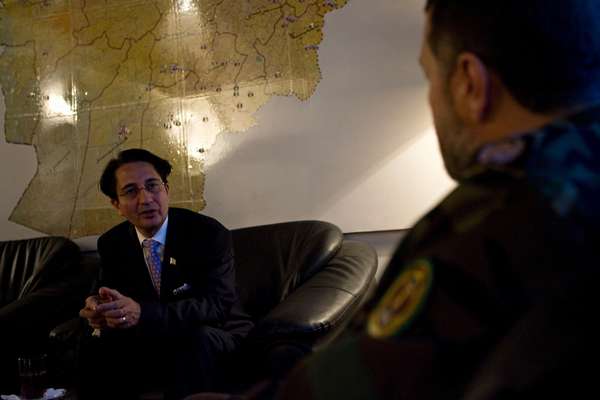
489	296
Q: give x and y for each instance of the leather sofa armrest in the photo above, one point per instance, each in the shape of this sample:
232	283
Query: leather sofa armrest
46	284
38	312
327	299
67	331
64	344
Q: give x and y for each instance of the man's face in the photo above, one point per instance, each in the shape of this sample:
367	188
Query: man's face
145	210
456	144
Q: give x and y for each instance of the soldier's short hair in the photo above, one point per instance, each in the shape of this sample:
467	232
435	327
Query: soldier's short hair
108	180
546	52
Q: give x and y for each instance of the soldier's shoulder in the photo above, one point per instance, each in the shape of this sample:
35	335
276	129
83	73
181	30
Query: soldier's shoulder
472	205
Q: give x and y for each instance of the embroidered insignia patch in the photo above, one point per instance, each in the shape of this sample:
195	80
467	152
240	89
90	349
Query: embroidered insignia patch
402	302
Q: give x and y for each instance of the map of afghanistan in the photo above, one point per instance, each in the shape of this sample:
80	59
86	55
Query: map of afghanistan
84	79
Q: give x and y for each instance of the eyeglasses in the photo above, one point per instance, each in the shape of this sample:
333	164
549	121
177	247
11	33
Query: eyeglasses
152	187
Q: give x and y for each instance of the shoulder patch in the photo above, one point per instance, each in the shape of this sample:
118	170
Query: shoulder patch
403	300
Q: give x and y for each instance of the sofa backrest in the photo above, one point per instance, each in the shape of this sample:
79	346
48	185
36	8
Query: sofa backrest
25	265
273	260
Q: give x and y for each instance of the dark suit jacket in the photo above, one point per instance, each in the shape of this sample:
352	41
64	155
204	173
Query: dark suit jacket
198	253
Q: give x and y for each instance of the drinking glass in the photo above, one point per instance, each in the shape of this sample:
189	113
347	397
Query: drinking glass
32	375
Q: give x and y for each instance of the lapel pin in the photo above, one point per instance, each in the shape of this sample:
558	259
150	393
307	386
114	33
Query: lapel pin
172	261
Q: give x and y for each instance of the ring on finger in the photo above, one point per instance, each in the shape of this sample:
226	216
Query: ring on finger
124	318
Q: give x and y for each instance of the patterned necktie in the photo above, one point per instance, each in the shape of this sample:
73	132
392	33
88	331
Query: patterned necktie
153	253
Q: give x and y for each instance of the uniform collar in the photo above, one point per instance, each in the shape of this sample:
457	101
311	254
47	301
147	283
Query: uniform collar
559	160
512	154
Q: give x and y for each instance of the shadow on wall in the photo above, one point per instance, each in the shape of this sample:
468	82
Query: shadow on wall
303	157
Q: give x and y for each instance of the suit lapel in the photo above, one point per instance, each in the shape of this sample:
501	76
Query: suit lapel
167	273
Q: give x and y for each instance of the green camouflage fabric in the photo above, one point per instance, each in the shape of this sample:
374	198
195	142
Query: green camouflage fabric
518	234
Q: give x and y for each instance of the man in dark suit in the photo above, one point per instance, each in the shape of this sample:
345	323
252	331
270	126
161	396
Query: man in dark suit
167	289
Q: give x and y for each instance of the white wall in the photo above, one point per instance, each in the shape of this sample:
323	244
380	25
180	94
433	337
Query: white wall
17	166
360	153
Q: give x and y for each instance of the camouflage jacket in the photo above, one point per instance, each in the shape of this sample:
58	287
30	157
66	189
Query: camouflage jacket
515	242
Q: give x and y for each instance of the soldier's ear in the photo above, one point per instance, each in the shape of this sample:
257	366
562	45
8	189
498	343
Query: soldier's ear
471	89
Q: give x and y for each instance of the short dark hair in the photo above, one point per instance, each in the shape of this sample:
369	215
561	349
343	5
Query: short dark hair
546	52
108	180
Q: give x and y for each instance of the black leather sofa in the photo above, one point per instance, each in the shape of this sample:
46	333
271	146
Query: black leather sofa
41	284
300	281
